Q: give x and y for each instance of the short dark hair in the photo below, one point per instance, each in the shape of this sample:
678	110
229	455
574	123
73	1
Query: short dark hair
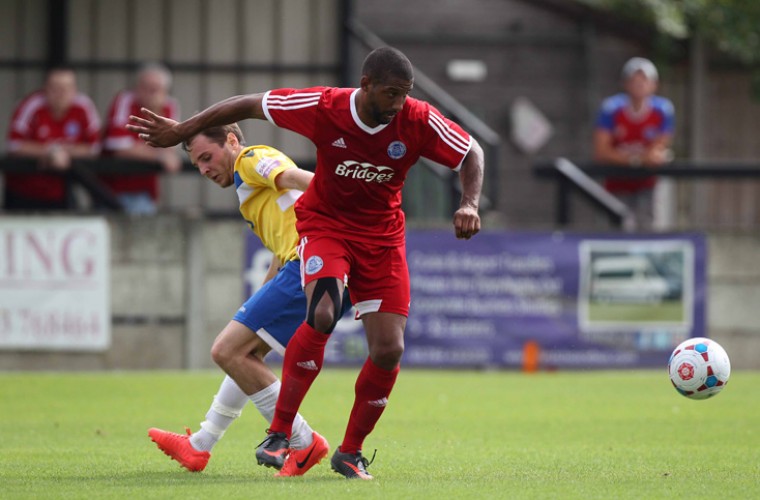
386	62
217	135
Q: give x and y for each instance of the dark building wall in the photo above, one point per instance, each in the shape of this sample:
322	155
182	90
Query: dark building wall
564	64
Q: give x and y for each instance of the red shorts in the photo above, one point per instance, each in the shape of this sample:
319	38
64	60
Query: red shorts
377	276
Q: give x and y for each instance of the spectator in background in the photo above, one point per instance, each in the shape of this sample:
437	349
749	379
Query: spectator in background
635	128
139	193
55	124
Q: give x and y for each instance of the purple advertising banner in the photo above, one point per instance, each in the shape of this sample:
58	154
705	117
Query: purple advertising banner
569	300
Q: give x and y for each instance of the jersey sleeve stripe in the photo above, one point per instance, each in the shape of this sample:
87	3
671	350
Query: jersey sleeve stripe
21	124
289	102
91	111
293	101
456	143
298	100
297	95
122	108
451	133
296	106
286	102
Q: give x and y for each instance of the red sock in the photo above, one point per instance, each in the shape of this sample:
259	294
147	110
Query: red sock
302	363
373	386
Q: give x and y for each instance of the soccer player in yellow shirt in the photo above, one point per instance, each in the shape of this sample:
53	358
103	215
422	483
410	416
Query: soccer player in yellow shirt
267	183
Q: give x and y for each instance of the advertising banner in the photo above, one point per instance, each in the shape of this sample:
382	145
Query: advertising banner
554	300
54	284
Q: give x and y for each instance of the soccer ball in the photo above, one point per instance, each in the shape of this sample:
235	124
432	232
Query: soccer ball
699	368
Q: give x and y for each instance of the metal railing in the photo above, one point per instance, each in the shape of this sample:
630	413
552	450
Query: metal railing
86	174
581	177
572	176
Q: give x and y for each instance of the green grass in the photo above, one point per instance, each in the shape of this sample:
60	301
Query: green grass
668	311
445	434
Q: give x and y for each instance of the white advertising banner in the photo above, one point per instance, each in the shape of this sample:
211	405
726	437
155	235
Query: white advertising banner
54	283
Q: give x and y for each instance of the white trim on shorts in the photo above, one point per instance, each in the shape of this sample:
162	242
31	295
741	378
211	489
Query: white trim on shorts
271	341
368	306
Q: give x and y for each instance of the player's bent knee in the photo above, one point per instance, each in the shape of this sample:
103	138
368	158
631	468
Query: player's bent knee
325	306
221	354
323	320
387	356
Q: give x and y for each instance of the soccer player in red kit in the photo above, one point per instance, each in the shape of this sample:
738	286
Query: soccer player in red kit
350	223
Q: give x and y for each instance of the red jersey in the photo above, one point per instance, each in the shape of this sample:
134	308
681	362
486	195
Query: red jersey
33	121
118	138
356	190
634	132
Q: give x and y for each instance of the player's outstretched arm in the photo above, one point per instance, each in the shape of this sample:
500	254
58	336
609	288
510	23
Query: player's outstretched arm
466	218
159	131
294	178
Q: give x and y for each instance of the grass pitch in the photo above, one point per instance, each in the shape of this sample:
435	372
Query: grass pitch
670	311
598	434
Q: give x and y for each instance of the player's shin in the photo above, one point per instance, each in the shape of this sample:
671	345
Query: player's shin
373	387
302	364
226	407
265	401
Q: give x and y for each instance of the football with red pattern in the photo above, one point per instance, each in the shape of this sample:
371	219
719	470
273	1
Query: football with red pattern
699	368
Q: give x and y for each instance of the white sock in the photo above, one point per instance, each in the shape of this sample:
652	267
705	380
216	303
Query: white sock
265	401
227	406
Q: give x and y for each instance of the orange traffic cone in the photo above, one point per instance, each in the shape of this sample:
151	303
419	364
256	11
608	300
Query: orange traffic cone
531	356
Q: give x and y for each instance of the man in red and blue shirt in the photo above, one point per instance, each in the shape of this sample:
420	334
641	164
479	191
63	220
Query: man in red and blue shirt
635	128
350	223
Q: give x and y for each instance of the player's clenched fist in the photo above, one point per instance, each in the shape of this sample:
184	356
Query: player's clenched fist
466	222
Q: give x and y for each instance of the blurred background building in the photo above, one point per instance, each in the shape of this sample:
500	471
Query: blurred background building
524	76
493	56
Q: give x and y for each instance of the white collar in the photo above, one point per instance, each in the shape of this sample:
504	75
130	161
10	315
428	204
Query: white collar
359	122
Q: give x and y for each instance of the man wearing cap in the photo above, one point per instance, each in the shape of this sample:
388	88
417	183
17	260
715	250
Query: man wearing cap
635	128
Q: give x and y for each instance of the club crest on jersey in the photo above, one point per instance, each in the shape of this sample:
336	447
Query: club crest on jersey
396	149
313	265
650	133
72	129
